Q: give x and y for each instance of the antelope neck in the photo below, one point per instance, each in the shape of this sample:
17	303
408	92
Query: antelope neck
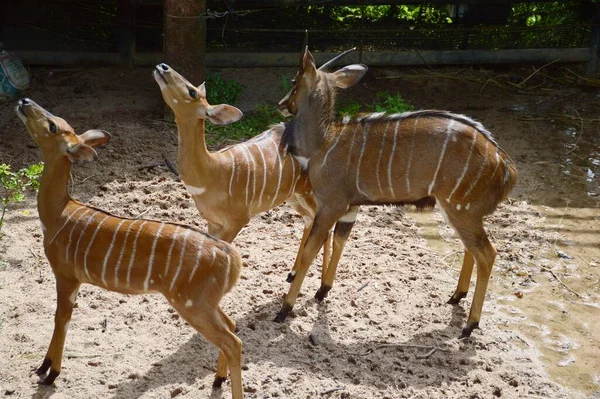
192	151
53	196
307	129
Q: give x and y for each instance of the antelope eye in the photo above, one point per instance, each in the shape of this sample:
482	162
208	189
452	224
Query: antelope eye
52	127
193	93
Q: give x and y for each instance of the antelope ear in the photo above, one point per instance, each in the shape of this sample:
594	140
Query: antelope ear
95	137
350	75
202	90
81	153
223	114
308	63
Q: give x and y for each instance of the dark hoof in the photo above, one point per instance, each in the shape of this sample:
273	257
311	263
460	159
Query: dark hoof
283	313
291	276
51	377
455	299
322	293
218	382
44	367
466	332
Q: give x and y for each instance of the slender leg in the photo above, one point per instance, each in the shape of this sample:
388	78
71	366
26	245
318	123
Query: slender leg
319	232
215	328
340	236
326	255
222	362
307	226
67	293
464	279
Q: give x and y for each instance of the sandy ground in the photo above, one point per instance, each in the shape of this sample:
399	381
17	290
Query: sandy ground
374	335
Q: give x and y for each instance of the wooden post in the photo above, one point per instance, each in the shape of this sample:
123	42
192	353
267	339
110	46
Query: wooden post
126	31
184	42
592	65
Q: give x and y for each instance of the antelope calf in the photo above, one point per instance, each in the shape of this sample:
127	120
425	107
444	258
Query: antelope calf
417	158
234	184
87	245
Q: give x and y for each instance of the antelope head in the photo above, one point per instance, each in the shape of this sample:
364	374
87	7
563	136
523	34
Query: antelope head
316	87
189	101
56	137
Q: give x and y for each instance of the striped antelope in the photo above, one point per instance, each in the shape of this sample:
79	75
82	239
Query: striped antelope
234	184
417	158
87	245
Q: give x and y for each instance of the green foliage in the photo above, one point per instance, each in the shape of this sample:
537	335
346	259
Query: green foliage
544	14
222	91
253	123
286	83
391	104
351	108
15	184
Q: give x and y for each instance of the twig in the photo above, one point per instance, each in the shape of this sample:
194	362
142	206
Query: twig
143	213
580	133
562	282
170	165
380	346
301	361
152	165
362	287
341	388
520	84
426	355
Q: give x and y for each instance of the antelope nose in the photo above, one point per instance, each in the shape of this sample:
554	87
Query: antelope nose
164	67
25	101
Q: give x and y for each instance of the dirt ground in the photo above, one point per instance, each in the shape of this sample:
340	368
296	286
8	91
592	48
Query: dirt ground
374	337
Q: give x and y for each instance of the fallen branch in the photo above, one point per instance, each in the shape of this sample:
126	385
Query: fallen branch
152	165
562	282
363	286
327	392
380	346
170	165
426	355
521	83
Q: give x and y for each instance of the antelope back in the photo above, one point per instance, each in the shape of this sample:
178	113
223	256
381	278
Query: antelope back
188	101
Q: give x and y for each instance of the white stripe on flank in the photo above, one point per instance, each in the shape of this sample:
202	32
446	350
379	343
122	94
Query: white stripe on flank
198	258
65	223
464	172
230	153
280	172
85	226
72	230
410	152
253	173
387	126
245	153
173	241
227	266
87	250
214	255
337	139
110	247
479	172
181	253
262	191
389	169
152	252
442	153
362	152
293	183
133	250
122	252
351	147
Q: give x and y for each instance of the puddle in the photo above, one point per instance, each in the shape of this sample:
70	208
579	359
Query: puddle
564	323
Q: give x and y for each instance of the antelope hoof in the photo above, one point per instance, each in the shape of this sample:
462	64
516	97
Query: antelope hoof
455	299
44	367
322	293
283	313
51	377
218	382
466	332
290	277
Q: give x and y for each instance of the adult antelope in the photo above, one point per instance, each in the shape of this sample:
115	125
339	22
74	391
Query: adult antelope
134	256
232	185
410	158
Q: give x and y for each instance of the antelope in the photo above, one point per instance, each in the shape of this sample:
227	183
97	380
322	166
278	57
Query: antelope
420	158
237	182
84	244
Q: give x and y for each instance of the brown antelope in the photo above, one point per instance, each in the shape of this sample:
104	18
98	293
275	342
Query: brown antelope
134	256
232	185
417	158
